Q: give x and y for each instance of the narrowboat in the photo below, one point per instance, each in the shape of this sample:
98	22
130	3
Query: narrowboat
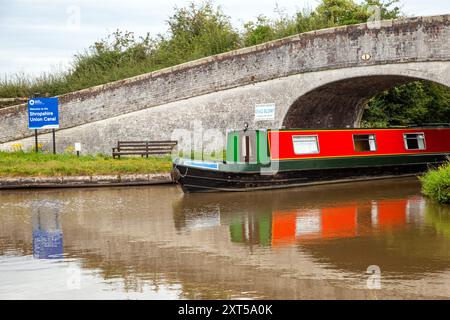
268	159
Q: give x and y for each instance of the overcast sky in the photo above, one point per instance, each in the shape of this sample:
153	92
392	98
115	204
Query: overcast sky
42	35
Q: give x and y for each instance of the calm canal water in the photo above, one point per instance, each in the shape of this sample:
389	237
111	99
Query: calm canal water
157	243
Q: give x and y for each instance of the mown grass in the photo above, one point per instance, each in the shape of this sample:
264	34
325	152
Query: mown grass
436	184
15	164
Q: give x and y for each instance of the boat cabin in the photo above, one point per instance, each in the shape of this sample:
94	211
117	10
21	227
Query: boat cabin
264	146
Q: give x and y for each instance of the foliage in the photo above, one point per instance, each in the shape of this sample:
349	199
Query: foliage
17	147
69	150
436	184
194	32
413	103
40	148
329	13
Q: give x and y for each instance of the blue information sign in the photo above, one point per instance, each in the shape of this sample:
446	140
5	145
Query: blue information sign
43	113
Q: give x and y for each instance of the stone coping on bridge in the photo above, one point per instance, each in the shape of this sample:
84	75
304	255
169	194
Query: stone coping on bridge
85	181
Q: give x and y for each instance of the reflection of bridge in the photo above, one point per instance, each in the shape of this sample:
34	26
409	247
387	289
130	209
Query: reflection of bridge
315	79
134	233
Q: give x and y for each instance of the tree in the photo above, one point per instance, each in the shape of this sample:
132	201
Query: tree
413	103
197	31
258	32
329	13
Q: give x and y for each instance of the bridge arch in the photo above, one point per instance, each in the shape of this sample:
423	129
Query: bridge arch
340	103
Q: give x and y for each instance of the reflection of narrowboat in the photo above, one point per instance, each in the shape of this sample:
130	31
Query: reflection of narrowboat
345	220
267	159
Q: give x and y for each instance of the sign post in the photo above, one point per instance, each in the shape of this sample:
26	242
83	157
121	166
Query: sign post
54	141
43	114
35	141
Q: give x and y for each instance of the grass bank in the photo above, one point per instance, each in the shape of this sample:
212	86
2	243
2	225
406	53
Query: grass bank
436	184
23	164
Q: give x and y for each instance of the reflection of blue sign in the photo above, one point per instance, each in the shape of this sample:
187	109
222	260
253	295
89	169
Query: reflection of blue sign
47	231
47	244
43	113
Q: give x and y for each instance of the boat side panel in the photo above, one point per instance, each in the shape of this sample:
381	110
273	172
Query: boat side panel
339	143
198	180
336	162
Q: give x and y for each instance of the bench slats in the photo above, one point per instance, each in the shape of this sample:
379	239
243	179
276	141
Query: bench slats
143	148
137	153
146	142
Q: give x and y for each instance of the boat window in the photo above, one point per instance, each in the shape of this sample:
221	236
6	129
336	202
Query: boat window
305	144
364	142
414	141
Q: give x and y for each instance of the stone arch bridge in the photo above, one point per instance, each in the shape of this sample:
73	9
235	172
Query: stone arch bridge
315	79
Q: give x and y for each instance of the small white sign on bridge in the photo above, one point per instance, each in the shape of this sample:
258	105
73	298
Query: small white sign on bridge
264	112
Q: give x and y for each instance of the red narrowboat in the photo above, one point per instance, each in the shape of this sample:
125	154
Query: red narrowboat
267	159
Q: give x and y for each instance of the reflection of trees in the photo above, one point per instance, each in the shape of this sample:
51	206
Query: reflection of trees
252	229
196	275
408	250
15	247
133	274
439	217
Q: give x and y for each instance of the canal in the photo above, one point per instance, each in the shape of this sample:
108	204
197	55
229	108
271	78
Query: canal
366	240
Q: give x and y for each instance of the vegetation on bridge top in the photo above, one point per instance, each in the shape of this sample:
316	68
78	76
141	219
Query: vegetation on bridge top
24	164
201	30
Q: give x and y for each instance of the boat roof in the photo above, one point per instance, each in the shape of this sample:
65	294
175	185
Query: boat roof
412	126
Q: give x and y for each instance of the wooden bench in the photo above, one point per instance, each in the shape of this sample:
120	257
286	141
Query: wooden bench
143	148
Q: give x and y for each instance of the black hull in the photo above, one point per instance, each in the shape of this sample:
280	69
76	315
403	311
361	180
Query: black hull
203	180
